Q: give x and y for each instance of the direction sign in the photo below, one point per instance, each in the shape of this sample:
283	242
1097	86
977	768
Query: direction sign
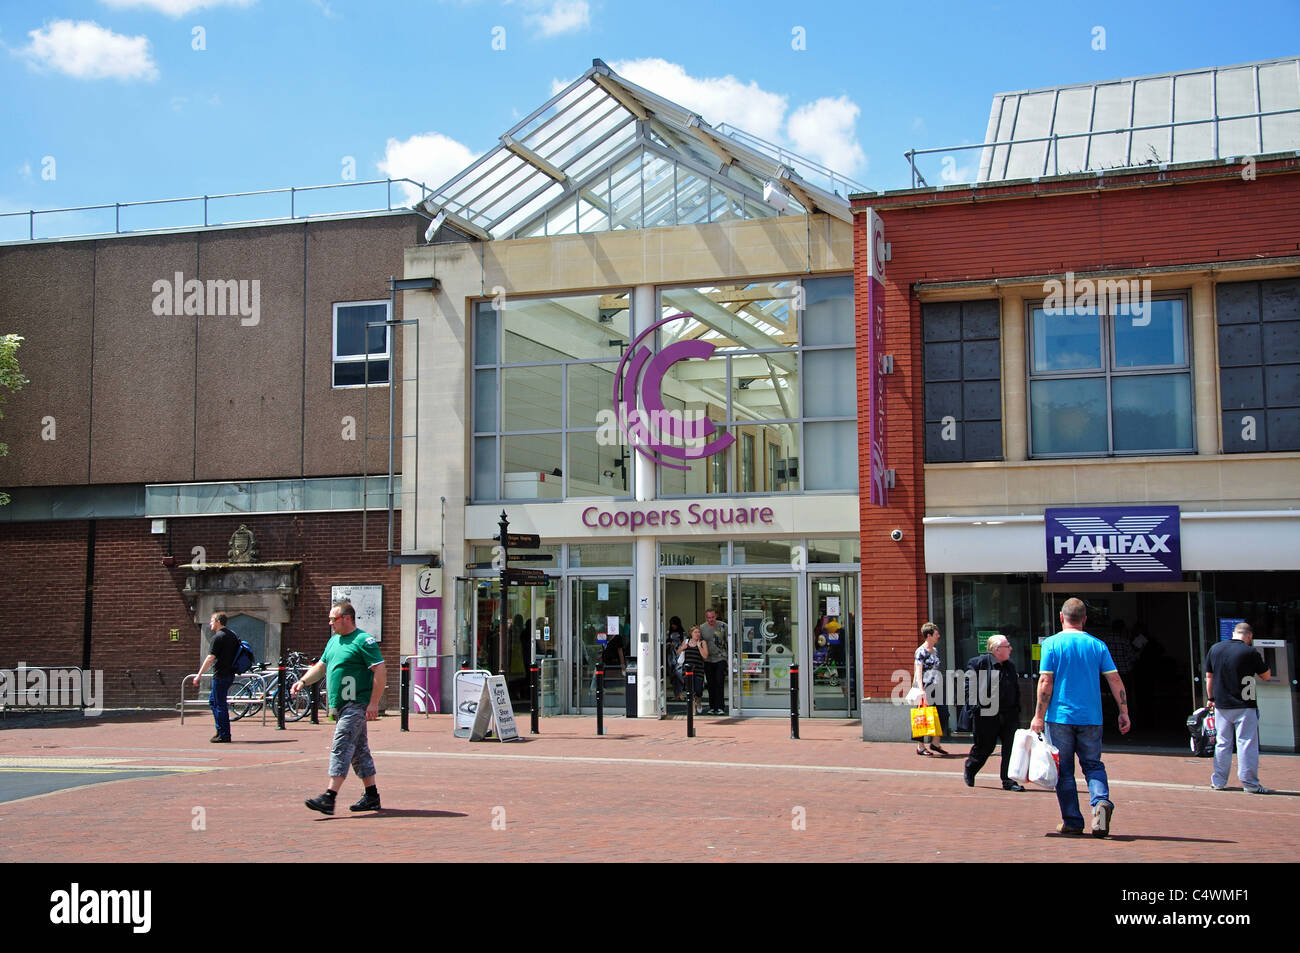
531	558
526	577
520	540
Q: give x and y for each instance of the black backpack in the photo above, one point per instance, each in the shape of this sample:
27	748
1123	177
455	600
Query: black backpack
1204	736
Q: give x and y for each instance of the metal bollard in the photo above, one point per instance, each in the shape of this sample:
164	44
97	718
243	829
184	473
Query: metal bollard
600	698
689	670
406	696
315	702
534	694
281	693
794	702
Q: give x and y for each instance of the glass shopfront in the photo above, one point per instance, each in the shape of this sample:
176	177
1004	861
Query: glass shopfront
775	619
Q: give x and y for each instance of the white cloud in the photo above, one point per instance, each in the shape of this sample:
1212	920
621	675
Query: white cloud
562	16
717	99
826	130
431	158
86	50
175	8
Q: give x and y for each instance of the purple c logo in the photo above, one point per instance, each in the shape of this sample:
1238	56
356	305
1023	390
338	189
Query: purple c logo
649	430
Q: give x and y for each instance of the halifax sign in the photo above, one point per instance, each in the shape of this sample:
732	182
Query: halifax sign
1113	544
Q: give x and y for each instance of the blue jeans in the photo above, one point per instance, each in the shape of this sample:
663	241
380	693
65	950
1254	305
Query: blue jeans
220	708
1084	740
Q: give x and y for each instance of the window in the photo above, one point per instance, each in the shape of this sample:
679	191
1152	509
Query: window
963	381
361	353
544	397
1110	379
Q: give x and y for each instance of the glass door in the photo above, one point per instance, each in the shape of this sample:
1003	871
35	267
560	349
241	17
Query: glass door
766	642
833	648
687	601
601	617
530	614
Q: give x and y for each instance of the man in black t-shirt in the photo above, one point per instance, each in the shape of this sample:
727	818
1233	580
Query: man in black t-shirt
221	659
1232	670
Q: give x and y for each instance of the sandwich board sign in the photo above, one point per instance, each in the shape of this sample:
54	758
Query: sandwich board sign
494	712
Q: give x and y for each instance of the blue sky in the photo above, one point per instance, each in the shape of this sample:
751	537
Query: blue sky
124	100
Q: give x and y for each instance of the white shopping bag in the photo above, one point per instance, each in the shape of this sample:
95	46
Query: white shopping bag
1021	744
914	697
1044	763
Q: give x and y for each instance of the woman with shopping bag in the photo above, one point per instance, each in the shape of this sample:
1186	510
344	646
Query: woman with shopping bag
925	678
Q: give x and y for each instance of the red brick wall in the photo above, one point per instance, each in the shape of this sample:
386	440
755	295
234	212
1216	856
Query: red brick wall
137	601
1149	219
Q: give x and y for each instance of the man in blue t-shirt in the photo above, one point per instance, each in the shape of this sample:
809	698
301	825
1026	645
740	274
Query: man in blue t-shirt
1231	671
1069	704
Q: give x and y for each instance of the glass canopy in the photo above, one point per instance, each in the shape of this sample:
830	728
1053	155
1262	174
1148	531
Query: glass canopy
605	154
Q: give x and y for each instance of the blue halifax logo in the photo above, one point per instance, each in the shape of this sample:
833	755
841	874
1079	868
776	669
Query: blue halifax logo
1113	544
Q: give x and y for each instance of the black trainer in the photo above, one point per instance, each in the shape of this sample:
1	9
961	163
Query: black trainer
322	802
368	802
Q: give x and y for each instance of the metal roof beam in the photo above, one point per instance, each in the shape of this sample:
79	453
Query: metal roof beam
533	159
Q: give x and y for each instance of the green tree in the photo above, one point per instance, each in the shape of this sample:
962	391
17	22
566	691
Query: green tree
11	379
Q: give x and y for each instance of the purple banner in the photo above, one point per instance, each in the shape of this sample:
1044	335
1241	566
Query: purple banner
1114	544
426	686
875	356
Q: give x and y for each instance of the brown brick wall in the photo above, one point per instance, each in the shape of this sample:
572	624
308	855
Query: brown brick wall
137	601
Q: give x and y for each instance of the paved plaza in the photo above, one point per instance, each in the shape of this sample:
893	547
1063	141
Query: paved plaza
144	788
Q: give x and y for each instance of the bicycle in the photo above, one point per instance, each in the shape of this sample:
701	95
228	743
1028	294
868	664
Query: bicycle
262	687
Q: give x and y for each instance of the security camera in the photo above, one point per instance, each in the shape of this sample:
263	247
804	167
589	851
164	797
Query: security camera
896	535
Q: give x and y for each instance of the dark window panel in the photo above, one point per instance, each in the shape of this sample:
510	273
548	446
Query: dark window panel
981	361
938	450
982	400
1282	386
1238	303
941	321
979	320
1242	388
983	440
1281	299
1284	429
1237	424
1239	345
943	400
943	362
1281	342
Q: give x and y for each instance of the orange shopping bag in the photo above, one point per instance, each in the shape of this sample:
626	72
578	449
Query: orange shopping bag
925	721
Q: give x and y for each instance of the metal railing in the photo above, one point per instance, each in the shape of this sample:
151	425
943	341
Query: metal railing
1051	154
207	222
801	164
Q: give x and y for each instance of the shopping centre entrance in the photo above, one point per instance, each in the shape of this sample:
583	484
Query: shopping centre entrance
774	621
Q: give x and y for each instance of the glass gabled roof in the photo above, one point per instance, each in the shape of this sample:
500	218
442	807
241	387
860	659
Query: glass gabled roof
605	154
1171	117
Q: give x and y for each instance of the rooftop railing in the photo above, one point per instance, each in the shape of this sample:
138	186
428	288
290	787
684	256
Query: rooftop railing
296	196
1051	151
809	169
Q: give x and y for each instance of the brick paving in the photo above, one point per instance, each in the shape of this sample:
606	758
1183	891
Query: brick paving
741	790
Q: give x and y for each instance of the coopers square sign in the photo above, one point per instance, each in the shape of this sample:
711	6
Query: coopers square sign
1114	544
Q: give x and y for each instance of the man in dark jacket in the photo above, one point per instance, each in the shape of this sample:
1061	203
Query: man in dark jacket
998	720
221	659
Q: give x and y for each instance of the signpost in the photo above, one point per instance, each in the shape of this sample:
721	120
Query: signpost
511	576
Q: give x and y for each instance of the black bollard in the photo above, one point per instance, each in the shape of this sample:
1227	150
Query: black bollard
281	694
600	698
315	702
406	696
534	694
794	702
689	670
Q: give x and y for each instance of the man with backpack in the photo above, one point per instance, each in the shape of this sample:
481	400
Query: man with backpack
221	659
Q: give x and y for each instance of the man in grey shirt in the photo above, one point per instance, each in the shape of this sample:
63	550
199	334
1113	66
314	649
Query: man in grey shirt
714	633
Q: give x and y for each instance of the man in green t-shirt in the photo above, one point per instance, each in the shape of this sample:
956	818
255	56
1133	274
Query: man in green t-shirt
354	672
